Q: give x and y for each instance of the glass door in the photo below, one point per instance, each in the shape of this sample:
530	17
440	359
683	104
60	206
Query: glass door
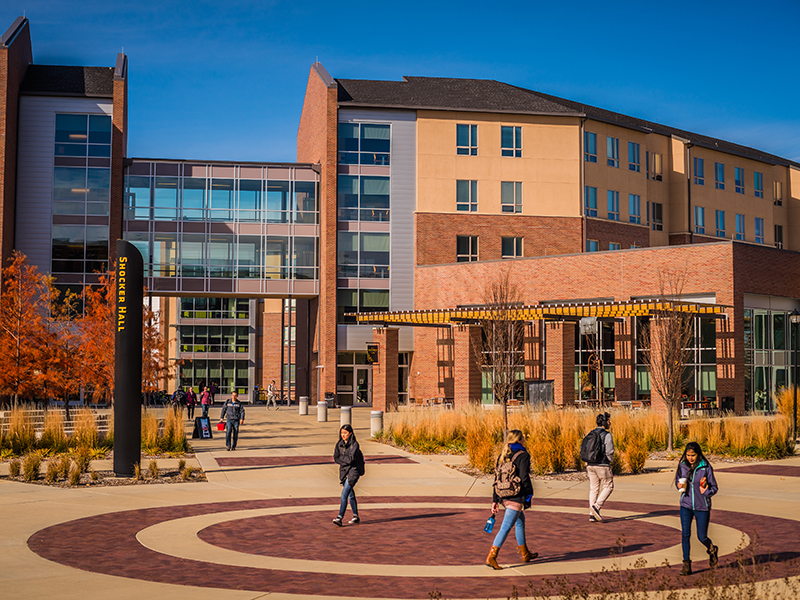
363	387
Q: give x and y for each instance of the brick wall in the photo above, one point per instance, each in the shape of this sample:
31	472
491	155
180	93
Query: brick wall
317	137
385	373
467	373
14	61
625	234
561	361
436	235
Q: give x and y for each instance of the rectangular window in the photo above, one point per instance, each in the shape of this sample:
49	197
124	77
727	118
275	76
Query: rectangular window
466	196
592	246
511	141
635	208
739	179
590	201
466	248
777	191
467	139
658	216
658	166
511	196
511	247
613	246
589	146
699	171
699	219
720	223
758	184
612	151
739	227
719	176
364	143
613	205
779	236
633	157
759	230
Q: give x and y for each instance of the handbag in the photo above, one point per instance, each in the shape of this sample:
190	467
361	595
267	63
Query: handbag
221	426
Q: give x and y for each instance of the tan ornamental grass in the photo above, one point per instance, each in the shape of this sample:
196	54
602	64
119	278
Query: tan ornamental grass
21	430
86	433
53	434
150	432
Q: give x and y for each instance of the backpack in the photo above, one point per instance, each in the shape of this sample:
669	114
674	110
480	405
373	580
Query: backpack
593	448
507	483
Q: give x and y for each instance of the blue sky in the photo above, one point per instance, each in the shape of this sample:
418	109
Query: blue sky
226	79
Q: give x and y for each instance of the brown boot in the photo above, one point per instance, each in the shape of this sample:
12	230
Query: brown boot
687	568
491	560
527	555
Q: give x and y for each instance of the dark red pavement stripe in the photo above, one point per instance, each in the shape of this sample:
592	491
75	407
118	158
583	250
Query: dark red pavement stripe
298	461
107	544
776	470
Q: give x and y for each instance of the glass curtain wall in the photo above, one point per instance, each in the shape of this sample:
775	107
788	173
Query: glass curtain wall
768	340
594	360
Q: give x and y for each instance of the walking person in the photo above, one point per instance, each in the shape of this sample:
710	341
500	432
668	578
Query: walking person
347	454
695	480
212	389
272	395
514	490
234	410
205	401
191	401
597	451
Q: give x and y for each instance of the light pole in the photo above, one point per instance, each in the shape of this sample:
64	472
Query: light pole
794	318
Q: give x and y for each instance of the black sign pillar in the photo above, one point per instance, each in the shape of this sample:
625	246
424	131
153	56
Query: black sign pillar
128	367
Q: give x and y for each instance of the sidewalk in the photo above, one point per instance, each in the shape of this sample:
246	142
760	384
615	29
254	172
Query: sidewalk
260	527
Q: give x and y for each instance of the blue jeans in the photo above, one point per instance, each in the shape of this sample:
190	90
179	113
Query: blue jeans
233	427
348	494
515	519
205	410
703	517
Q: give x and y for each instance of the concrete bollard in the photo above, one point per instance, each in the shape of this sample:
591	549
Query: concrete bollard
303	405
345	417
322	411
375	422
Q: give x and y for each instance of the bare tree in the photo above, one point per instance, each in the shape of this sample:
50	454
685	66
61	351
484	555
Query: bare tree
669	340
501	350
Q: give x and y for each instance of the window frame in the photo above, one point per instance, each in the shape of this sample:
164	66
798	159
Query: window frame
515	150
515	206
700	219
758	184
592	246
699	173
738	180
634	162
472	250
719	175
590	201
740	230
758	229
471	148
635	208
612	205
589	146
612	151
719	219
517	249
658	219
470	204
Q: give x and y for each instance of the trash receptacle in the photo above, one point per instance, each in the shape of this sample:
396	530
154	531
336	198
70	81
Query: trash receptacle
345	417
330	398
375	422
322	411
303	405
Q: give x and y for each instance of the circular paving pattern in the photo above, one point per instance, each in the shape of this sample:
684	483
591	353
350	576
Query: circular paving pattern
290	546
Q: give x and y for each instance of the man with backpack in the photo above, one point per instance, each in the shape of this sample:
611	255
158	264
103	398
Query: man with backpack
597	450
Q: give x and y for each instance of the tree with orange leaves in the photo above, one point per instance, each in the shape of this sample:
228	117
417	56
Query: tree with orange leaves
23	329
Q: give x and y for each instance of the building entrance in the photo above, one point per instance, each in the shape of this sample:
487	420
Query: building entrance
354	385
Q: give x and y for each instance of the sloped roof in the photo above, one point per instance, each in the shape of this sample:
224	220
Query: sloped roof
52	80
487	95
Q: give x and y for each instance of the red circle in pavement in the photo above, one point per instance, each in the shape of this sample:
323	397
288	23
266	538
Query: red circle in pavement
439	536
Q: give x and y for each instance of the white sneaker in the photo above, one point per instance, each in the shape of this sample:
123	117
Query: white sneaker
355	520
596	513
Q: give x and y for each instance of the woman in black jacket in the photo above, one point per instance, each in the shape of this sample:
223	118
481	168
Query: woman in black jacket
514	499
348	456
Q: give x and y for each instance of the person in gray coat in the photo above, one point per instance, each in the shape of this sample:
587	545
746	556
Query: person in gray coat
347	454
601	479
234	410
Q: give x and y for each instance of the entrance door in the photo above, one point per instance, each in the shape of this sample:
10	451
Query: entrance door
363	387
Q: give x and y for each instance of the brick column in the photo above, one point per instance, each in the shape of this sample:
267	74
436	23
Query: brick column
625	361
656	334
534	347
385	385
467	372
561	361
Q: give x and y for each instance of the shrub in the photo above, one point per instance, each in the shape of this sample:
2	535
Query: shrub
14	468
31	466
181	464
636	454
51	474
74	476
137	471
94	475
83	458
187	473
152	469
63	463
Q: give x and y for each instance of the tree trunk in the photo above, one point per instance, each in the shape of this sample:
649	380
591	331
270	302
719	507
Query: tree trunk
505	420
669	427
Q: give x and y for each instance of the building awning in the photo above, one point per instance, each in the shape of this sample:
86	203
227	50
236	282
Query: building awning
555	312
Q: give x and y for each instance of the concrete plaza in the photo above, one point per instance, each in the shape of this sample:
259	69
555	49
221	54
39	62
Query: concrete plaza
260	527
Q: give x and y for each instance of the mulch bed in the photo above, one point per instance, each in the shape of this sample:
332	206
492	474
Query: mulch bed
108	478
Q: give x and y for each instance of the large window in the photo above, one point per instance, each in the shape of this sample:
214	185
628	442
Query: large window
590	201
361	300
589	146
739	180
467	139
719	176
230	375
364	144
613	205
511	141
633	157
511	247
215	308
363	254
720	223
363	198
739	227
612	151
699	219
511	196
466	248
634	208
466	196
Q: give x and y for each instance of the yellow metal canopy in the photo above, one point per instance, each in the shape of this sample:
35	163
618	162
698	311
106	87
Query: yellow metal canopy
565	311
